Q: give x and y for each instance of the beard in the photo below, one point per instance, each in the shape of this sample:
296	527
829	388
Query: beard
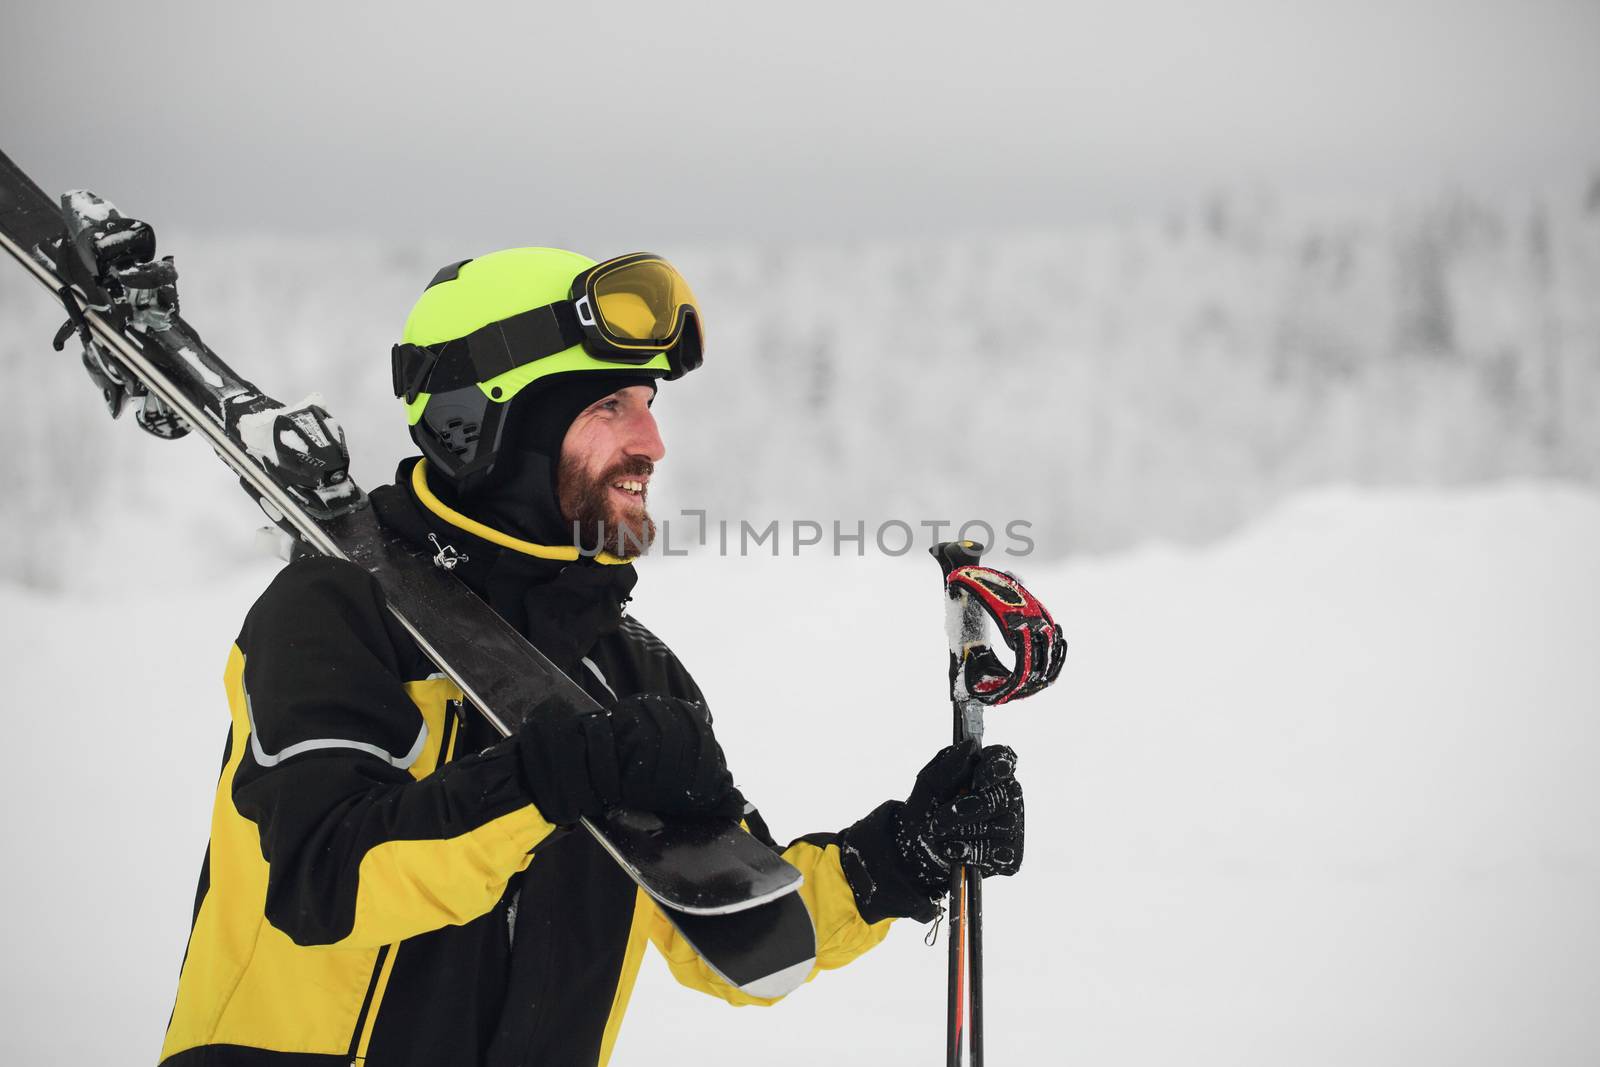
600	522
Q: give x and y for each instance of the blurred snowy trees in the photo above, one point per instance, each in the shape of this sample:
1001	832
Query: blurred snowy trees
1162	380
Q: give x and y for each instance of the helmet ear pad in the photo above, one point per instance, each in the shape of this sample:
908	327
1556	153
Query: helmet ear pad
461	433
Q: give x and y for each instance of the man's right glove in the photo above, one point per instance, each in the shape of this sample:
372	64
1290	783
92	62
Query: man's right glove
966	808
648	752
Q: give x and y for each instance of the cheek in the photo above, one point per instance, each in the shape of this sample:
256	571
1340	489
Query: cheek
592	447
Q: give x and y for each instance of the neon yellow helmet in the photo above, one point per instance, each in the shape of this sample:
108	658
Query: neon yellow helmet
486	329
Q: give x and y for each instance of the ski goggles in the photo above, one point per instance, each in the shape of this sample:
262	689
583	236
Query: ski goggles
631	311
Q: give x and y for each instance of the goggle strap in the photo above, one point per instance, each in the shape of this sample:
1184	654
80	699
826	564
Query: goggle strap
543	331
488	351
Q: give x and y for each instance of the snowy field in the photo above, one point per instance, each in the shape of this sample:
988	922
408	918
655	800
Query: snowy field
1326	792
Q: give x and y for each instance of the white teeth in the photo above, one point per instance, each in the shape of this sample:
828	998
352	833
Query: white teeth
632	487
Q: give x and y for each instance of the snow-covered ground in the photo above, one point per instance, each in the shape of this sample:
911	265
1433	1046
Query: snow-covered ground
1327	792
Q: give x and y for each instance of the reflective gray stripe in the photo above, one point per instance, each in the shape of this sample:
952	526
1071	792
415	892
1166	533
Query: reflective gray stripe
587	662
272	759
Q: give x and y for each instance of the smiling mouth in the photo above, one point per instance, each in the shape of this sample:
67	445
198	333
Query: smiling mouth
631	488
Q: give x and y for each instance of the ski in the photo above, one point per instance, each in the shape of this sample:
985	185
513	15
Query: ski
728	894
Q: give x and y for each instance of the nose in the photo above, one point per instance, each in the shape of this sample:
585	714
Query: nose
644	436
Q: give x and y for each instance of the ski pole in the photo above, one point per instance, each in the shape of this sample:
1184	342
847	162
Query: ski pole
964	627
978	678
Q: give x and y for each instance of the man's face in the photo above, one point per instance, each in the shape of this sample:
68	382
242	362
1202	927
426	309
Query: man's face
607	457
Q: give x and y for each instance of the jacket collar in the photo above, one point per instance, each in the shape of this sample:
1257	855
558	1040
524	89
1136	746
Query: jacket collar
559	599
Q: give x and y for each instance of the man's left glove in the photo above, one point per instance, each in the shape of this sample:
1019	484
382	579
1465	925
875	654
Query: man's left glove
966	808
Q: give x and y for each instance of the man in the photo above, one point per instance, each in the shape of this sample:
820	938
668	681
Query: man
391	883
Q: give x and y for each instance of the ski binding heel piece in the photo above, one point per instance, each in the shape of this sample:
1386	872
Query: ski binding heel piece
301	446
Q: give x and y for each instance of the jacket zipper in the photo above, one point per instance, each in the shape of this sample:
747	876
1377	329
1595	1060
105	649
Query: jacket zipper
382	967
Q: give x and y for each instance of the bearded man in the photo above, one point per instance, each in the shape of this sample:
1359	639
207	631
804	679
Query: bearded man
389	882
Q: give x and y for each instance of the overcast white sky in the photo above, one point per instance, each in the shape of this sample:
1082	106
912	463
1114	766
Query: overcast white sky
649	123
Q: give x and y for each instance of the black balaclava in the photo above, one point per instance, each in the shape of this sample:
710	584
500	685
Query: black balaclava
520	497
562	607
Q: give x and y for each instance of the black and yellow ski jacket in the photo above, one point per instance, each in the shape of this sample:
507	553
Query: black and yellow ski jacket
379	889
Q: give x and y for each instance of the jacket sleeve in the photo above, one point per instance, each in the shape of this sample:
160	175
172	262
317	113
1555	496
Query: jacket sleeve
359	851
842	934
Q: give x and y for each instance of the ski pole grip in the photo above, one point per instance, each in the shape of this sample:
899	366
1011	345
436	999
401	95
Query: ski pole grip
953	554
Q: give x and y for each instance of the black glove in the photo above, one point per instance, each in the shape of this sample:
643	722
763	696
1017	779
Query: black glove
966	808
648	752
